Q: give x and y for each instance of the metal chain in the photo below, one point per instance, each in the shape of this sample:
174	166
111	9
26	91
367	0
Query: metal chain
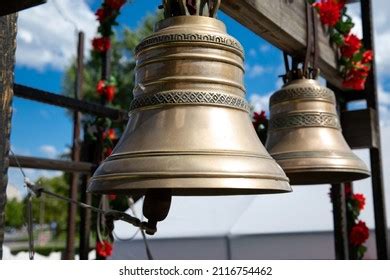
31	251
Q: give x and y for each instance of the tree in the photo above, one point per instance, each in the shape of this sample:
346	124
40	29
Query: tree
122	65
47	209
14	213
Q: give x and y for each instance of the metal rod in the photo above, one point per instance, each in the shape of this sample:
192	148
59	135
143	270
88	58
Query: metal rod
375	153
52	164
68	102
340	222
73	191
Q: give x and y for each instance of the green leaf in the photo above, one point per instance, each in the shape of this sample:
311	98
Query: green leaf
357	57
361	251
344	27
337	38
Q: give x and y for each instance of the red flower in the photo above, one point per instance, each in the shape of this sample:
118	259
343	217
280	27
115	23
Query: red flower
102	44
352	44
115	4
110	93
104	248
359	234
259	118
367	57
355	82
329	11
100	87
360	199
356	77
107	152
102	14
111	196
110	134
348	189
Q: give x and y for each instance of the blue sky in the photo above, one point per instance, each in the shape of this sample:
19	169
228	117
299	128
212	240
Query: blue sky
46	44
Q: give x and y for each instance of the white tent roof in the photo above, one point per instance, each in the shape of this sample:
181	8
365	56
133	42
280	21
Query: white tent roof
307	208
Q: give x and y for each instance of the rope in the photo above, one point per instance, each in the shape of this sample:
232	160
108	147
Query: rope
312	50
316	50
65	17
109	215
309	34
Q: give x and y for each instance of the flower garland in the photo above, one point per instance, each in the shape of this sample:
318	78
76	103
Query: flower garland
354	60
106	15
260	123
107	89
358	231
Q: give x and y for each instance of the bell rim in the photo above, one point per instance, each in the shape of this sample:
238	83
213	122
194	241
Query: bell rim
331	175
192	186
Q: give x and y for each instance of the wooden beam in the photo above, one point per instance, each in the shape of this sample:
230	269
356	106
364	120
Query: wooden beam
12	6
75	177
69	103
283	24
52	164
359	128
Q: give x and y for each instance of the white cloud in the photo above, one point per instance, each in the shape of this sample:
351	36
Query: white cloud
44	114
16	178
255	70
252	53
384	106
49	150
34	174
265	48
45	39
382	40
13	192
259	102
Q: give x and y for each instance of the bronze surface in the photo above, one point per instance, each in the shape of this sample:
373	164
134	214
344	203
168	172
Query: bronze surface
305	136
189	129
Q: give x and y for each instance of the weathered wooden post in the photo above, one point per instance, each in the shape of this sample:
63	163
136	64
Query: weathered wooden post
7	60
73	191
381	230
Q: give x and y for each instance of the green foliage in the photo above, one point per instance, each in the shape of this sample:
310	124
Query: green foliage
47	209
344	27
14	214
122	65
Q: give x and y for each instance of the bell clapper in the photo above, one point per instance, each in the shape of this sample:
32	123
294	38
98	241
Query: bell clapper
156	207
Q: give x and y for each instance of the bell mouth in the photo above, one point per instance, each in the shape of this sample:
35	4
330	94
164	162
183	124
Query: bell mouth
191	173
322	167
326	176
191	186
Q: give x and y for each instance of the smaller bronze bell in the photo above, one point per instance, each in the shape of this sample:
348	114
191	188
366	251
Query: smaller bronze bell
305	136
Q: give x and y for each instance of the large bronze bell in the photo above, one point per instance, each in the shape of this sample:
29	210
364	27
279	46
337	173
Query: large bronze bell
305	136
189	131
